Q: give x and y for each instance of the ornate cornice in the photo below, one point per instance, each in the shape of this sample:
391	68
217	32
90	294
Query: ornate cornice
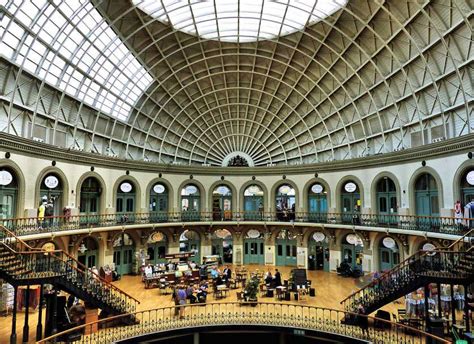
19	145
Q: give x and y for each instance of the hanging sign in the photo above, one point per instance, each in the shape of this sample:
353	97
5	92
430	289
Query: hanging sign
158	188
350	187
428	247
317	188
49	246
51	182
318	236
5	178
157	236
191	189
126	187
284	189
354	239
222	233
470	178
388	242
253	234
223	190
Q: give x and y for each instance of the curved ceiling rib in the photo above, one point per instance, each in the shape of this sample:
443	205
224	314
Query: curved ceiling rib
285	82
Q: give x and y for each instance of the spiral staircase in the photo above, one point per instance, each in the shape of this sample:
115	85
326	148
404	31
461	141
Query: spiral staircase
22	265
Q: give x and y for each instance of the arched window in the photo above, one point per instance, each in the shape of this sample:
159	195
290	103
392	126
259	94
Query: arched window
253	203
222	245
254	247
426	196
389	254
8	193
285	247
467	191
190	203
126	197
88	251
156	248
51	192
352	246
317	203
285	200
124	253
350	202
318	252
189	241
158	203
90	196
386	196
222	203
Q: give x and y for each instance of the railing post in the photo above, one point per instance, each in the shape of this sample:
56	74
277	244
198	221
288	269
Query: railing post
15	302
466	309
39	327
26	328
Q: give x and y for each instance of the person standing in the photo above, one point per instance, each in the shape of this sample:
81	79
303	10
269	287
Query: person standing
277	278
362	320
181	299
41	212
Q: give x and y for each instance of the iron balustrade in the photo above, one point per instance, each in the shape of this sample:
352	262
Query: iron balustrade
288	315
446	225
455	266
61	269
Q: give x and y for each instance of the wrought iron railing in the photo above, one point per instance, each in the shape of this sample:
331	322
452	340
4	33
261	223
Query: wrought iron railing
447	225
66	271
454	264
288	315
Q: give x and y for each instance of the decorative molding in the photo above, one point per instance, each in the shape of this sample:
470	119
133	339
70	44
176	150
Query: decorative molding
12	143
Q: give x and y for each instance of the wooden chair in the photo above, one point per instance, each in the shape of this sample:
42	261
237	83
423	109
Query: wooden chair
263	290
280	294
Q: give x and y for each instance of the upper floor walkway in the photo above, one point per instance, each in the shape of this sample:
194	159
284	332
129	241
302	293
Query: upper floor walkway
409	224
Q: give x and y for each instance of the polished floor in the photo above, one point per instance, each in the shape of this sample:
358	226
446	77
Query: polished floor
330	290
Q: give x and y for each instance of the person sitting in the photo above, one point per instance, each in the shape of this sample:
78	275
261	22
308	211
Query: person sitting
214	272
226	274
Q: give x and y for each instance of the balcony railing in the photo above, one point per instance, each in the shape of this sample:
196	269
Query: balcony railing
447	225
287	315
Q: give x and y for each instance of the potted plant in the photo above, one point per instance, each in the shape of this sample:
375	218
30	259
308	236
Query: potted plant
251	290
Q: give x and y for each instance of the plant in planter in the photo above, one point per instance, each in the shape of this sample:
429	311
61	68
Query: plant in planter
251	290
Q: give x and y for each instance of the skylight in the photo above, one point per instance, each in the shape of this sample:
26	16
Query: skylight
68	44
239	20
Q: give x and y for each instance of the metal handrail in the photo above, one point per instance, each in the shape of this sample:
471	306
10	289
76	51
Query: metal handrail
234	313
82	271
35	225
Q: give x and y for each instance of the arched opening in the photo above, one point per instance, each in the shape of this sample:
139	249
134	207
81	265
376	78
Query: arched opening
285	200
253	203
8	193
51	193
91	191
318	252
88	252
285	245
350	202
222	245
158	203
190	203
389	253
126	198
467	195
386	195
351	250
222	203
426	196
124	253
156	248
317	203
253	247
189	241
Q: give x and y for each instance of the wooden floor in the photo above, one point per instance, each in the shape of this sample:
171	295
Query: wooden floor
330	290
